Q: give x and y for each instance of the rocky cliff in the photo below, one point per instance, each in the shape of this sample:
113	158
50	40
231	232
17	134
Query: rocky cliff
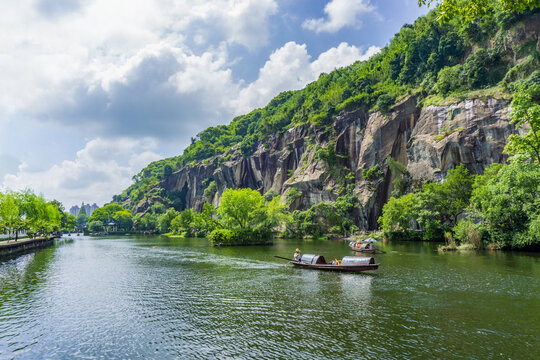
428	140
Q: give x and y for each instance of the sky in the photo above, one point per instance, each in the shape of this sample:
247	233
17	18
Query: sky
91	91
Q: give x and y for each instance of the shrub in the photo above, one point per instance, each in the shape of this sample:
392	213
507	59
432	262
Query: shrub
210	191
95	226
385	102
466	231
226	237
406	235
448	79
372	174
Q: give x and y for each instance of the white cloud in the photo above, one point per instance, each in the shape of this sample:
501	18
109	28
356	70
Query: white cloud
46	44
341	56
163	91
290	68
340	14
246	22
101	169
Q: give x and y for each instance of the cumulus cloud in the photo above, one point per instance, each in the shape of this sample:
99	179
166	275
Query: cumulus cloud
340	14
246	22
102	168
162	91
290	68
40	56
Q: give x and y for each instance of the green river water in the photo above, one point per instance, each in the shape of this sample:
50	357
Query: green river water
157	298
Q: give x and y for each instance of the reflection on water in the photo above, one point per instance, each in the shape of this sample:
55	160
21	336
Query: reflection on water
154	297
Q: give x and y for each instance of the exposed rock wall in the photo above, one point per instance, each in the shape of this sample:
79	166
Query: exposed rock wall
472	132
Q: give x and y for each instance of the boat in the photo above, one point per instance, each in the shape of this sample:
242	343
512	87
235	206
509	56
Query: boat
363	247
348	263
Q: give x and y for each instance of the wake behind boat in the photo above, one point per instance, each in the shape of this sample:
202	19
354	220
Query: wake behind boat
348	263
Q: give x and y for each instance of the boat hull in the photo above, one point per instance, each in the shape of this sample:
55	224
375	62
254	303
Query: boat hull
344	268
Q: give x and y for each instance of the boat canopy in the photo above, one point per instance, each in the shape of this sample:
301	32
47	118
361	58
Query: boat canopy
357	260
312	259
367	246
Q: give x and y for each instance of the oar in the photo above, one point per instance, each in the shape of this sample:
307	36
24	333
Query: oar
379	251
284	258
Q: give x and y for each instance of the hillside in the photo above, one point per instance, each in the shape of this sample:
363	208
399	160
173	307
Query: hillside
435	97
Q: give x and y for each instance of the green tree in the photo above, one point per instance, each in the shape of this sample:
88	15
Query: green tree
82	219
164	220
123	219
206	220
70	222
525	114
105	213
472	9
277	213
242	208
507	197
447	200
95	226
10	214
398	213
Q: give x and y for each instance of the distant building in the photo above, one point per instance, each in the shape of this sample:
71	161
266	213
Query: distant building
75	209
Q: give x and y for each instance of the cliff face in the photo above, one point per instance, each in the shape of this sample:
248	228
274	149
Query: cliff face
429	141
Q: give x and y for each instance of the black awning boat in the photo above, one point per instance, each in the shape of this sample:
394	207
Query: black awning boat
348	263
363	247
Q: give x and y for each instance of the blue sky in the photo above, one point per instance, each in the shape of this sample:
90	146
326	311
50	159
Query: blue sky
93	90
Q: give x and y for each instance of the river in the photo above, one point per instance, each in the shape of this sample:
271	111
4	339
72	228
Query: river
138	297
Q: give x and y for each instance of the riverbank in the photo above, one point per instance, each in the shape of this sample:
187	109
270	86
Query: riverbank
12	247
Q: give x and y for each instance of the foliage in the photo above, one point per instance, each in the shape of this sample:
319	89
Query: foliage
27	211
123	219
469	10
435	209
449	79
385	102
323	218
165	220
70	222
447	200
525	114
402	177
82	219
210	191
372	174
230	237
398	213
242	208
507	197
105	213
469	232
147	222
185	221
95	226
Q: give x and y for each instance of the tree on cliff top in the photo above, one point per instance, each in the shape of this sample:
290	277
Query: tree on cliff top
472	9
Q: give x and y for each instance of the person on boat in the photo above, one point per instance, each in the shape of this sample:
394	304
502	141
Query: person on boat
297	255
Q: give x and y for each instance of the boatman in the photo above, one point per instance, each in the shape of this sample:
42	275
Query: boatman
297	255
